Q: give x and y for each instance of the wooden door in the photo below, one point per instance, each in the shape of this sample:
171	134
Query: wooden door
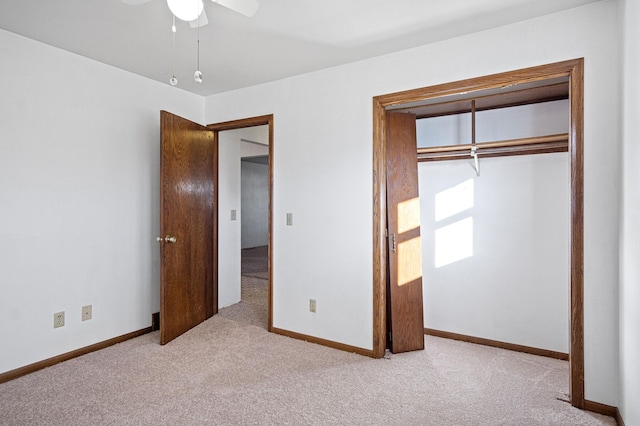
405	309
187	209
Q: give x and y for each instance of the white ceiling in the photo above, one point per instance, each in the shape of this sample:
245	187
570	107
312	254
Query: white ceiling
284	38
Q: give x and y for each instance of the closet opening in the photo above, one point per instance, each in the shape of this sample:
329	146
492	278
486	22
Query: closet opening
460	107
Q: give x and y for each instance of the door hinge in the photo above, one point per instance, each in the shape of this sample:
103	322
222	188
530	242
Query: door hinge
390	339
386	233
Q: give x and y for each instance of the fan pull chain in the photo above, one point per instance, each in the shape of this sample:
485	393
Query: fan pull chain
197	76
173	80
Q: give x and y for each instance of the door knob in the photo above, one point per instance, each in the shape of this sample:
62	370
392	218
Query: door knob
167	239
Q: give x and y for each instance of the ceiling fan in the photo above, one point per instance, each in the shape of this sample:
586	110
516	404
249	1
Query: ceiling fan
187	10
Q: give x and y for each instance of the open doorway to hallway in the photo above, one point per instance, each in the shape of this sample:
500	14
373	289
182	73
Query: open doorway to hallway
254	202
243	206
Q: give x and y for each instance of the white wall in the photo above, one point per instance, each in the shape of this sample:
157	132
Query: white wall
512	284
630	224
255	204
229	230
79	172
255	188
258	134
323	147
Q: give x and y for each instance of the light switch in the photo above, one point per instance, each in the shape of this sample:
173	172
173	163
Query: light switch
233	215
289	219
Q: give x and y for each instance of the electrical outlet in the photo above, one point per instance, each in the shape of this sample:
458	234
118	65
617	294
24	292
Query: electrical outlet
289	219
312	305
58	319
86	312
233	214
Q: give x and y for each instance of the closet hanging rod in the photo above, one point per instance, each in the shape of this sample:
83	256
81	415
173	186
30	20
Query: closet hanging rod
564	137
496	152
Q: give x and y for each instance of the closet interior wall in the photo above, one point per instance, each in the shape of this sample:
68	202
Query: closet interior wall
496	253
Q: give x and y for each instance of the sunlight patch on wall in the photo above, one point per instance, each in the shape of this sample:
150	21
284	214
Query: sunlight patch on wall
454	242
454	200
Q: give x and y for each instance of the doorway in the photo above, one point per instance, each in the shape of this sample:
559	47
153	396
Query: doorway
231	213
243	216
573	70
254	216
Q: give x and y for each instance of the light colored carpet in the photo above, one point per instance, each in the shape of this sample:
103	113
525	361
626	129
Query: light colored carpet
255	262
228	371
255	259
252	309
261	275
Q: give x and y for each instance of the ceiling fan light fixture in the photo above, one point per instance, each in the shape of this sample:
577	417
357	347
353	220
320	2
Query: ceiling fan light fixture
185	10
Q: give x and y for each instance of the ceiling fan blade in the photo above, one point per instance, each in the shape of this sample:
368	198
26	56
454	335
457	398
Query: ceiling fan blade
203	20
134	2
244	7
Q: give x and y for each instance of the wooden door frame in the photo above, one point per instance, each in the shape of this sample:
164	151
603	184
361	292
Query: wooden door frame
574	70
234	125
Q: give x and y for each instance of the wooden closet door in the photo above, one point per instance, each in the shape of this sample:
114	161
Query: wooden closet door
404	298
